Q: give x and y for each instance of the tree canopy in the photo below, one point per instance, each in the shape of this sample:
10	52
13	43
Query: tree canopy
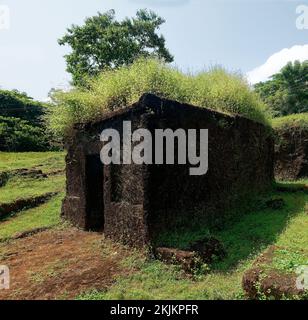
19	135
103	42
22	123
20	105
287	91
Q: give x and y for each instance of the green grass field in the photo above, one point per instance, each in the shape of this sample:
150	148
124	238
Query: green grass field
46	215
23	187
244	239
46	161
18	187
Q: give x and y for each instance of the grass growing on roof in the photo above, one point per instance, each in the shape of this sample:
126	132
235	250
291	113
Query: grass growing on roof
299	121
114	89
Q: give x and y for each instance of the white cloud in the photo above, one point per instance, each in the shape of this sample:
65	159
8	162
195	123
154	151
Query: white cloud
276	62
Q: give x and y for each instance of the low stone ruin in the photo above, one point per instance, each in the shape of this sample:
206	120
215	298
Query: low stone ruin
291	153
133	203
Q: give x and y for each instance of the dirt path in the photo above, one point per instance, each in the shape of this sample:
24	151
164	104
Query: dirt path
60	264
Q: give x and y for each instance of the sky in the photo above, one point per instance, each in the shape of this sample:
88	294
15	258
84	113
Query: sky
255	37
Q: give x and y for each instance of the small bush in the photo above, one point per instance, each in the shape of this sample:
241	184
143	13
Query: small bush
114	89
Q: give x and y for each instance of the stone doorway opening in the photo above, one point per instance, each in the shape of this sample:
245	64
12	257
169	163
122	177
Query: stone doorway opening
94	193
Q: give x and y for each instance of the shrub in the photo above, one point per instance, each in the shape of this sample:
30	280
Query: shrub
114	89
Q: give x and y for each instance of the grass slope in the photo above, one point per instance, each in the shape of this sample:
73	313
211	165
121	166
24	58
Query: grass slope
22	187
19	187
46	215
45	161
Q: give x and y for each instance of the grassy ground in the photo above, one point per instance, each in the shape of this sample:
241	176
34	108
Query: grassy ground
244	239
45	161
18	187
22	187
46	215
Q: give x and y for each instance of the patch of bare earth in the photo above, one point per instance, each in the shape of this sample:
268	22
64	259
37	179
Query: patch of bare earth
60	264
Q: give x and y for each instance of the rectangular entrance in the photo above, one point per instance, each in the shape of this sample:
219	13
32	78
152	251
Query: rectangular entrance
94	193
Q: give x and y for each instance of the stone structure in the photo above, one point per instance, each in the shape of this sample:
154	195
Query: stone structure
132	203
291	153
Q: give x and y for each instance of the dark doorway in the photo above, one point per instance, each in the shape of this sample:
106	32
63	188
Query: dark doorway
95	193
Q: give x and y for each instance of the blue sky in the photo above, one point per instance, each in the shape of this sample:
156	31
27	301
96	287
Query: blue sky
256	37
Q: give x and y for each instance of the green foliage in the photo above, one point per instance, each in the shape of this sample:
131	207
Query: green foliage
287	91
19	105
22	126
293	121
102	42
294	125
115	89
20	135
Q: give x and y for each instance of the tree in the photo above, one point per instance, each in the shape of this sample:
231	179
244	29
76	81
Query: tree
20	105
18	135
22	124
287	91
102	42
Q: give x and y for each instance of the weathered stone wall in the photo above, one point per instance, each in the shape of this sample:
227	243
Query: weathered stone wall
124	218
140	200
240	166
291	153
74	204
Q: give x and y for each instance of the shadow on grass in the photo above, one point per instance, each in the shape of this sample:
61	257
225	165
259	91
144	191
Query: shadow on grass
252	231
291	187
